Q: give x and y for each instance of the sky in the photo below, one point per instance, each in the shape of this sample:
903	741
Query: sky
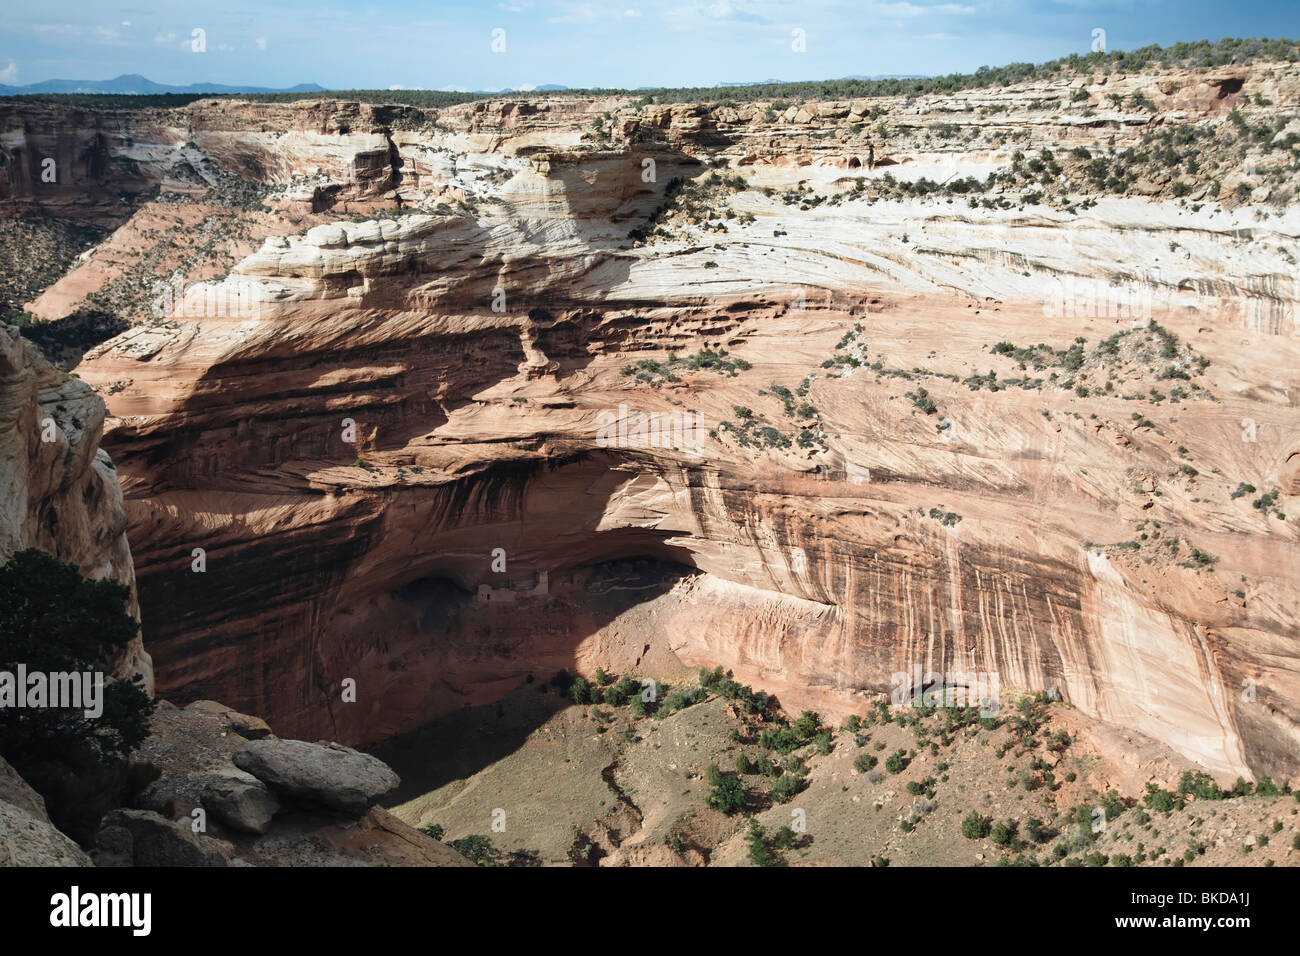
449	44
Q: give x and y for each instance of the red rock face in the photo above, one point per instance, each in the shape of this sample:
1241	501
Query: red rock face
805	582
60	489
411	402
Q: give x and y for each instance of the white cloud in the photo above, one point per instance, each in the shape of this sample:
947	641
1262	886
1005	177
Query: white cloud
79	33
9	74
706	14
261	43
569	11
904	9
164	38
578	13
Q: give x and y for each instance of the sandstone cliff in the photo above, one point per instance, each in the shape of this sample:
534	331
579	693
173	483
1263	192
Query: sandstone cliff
354	420
60	489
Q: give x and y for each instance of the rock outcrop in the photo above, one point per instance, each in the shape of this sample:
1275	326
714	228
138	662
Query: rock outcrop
58	488
27	837
204	808
324	774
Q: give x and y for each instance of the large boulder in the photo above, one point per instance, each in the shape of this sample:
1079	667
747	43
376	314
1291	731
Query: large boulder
240	800
325	774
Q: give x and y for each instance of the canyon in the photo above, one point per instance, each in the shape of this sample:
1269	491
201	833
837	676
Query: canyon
356	415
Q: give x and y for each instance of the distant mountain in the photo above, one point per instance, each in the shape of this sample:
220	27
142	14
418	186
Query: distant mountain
133	84
544	88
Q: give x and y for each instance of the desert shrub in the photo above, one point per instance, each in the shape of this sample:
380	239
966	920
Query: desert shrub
786	787
1159	800
1003	832
727	795
1267	788
1200	785
760	852
679	699
478	849
580	691
975	826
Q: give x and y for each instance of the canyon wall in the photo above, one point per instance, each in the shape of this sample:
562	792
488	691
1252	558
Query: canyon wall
60	490
372	453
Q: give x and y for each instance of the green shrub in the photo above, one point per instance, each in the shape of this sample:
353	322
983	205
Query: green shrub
975	826
1159	800
760	851
786	787
1199	784
1003	832
727	795
580	691
478	849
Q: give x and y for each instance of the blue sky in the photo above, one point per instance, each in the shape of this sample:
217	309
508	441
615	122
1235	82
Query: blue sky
625	43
